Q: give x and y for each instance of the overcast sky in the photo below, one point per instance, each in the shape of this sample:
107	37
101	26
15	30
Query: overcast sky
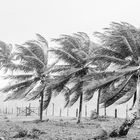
21	19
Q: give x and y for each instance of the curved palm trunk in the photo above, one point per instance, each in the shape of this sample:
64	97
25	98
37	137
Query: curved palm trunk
98	102
124	128
41	106
80	108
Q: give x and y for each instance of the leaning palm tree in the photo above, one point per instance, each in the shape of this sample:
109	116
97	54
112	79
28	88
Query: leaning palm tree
121	47
76	52
32	85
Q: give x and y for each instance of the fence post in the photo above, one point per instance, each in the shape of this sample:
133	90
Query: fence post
52	109
29	109
6	112
26	111
17	111
67	112
115	113
85	110
60	112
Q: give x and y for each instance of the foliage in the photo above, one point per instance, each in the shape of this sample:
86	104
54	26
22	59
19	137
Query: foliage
33	56
76	51
121	46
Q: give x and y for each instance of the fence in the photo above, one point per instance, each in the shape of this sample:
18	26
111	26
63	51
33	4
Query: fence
30	111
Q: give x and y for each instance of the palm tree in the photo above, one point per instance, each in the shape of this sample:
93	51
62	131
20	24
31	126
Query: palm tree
76	52
33	55
121	47
8	58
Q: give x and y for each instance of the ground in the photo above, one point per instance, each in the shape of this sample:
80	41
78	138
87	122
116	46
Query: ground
56	128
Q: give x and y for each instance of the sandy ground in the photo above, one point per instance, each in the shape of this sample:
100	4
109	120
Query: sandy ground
63	128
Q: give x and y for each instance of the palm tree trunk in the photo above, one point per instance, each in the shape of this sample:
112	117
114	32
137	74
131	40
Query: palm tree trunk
138	97
124	128
41	106
98	102
80	108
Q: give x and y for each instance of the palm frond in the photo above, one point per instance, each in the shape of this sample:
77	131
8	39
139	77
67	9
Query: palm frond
61	81
121	93
48	95
74	99
84	41
60	68
21	92
99	75
5	49
77	92
23	50
89	95
121	37
115	88
48	68
68	41
20	77
69	91
95	84
37	50
30	61
128	69
17	86
107	58
42	39
35	93
17	67
59	85
126	97
44	45
66	57
108	52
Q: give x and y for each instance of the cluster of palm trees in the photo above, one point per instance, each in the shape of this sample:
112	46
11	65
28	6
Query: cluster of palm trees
110	67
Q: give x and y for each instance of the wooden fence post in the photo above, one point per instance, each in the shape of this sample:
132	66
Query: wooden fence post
52	109
85	110
67	112
17	111
26	111
60	112
6	111
29	110
115	113
76	112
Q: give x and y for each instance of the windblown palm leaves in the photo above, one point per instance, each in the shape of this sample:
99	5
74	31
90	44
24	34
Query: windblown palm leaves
33	55
8	59
122	48
75	51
